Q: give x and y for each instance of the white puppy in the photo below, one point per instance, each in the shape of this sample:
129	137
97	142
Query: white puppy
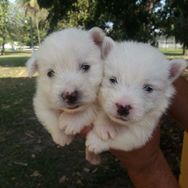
69	63
135	92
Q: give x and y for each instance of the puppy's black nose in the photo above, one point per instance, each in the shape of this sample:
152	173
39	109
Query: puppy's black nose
70	98
123	110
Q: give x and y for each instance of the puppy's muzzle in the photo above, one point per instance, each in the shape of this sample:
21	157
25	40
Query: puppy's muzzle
123	111
71	98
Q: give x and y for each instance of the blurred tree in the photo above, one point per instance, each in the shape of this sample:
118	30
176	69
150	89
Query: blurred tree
79	14
36	16
58	10
180	22
173	17
15	23
132	19
181	31
18	25
3	23
140	20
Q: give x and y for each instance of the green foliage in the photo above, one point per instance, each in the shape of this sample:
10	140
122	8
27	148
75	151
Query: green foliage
14	26
140	20
16	23
3	14
181	23
58	10
134	20
4	25
175	13
35	21
79	14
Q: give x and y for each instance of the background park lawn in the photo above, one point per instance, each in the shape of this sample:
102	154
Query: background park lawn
29	158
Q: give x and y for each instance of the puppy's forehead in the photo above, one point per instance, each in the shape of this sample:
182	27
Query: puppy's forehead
134	62
65	47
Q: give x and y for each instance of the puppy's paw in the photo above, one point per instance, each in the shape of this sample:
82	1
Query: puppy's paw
62	139
95	144
105	131
93	158
68	128
72	129
62	125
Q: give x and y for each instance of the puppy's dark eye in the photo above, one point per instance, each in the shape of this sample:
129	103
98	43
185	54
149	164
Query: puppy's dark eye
148	88
113	80
51	73
84	67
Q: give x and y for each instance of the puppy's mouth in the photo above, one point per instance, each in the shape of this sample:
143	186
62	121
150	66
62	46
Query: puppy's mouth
74	108
119	120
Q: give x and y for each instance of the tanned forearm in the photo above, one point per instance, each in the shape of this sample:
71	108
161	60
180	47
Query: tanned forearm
154	175
179	107
147	167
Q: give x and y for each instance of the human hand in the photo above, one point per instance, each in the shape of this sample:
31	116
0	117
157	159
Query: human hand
90	156
85	131
147	166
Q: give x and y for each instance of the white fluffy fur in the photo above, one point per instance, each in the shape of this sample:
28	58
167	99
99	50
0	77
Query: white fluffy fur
134	65
64	52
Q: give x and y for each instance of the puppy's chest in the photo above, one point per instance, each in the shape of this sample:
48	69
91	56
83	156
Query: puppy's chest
139	129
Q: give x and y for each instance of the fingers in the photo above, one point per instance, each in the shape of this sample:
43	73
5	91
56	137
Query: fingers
143	155
85	131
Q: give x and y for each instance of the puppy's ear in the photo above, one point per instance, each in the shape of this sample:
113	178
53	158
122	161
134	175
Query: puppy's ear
176	68
107	45
97	35
32	66
100	39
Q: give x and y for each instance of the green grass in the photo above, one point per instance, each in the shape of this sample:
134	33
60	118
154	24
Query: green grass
13	65
14	59
29	158
173	53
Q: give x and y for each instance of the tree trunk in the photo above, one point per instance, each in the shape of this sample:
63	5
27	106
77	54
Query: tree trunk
3	46
184	49
185	52
38	32
31	34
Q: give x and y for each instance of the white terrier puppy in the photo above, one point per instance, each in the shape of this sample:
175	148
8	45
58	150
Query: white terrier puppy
69	63
135	92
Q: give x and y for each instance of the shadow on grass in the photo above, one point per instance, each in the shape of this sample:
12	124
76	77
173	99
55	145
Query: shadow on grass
29	158
173	54
18	52
13	61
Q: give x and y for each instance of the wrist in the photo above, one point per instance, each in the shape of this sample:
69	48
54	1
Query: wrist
154	174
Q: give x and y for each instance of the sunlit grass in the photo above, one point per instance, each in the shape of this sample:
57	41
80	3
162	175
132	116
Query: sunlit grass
173	53
13	65
177	51
13	72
